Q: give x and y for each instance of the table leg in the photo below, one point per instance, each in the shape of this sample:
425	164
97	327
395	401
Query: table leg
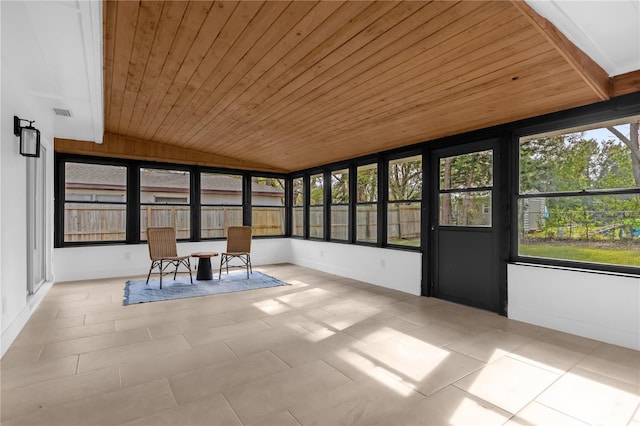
204	269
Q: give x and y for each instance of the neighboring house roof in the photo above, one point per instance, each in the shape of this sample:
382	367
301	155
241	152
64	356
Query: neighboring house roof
87	176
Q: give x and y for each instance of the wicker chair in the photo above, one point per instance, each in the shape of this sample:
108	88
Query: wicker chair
163	252
238	247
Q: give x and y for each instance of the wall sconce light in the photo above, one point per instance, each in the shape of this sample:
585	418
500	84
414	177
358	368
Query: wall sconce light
29	137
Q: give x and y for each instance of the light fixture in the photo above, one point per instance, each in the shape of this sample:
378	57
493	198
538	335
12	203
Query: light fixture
29	137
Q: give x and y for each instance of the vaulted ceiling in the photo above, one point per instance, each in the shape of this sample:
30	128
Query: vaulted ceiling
284	86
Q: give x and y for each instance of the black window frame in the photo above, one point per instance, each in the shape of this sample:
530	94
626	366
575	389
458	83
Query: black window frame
331	204
200	204
251	205
302	206
420	201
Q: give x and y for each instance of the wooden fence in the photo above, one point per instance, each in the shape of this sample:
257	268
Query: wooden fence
94	222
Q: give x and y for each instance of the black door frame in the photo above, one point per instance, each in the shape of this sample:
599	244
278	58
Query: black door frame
500	213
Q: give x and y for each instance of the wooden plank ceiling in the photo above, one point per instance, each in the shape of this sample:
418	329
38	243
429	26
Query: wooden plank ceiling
289	85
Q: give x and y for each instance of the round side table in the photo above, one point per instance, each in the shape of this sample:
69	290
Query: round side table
204	265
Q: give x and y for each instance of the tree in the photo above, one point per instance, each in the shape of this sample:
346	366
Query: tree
634	146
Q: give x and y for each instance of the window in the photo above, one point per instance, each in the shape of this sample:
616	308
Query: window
339	205
403	206
367	203
465	189
316	207
297	227
579	194
267	206
220	203
164	201
95	206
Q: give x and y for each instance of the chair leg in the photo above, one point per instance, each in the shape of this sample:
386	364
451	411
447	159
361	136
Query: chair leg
150	269
161	271
175	273
221	263
189	267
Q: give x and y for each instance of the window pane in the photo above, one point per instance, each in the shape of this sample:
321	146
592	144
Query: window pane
403	224
316	222
266	191
367	183
95	222
591	158
317	189
95	182
473	170
405	178
298	222
267	220
215	219
177	217
340	222
367	223
471	208
298	192
217	188
164	187
340	187
597	229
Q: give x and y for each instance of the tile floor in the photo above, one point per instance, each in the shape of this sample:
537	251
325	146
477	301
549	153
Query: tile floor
326	350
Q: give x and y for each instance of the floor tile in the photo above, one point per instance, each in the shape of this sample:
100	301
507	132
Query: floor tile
569	341
225	332
39	372
280	391
17	357
615	362
223	376
538	414
374	330
296	354
131	403
592	398
212	410
260	341
27	399
548	356
281	418
38	336
147	370
144	351
488	346
449	406
508	383
360	402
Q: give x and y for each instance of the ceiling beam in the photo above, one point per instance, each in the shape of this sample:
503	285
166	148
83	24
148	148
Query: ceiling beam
592	73
624	84
139	149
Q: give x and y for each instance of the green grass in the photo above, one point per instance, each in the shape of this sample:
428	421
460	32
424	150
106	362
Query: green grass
613	256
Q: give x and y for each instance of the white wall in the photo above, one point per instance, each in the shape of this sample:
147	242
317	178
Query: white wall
599	306
18	99
83	263
396	269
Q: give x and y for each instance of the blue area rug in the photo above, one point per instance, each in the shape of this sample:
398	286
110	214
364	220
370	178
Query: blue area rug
138	292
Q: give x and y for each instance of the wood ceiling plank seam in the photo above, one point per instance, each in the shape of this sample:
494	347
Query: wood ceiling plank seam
397	15
336	38
236	81
126	18
477	100
372	134
147	26
193	29
311	21
183	37
222	80
588	69
318	43
439	77
441	23
220	106
492	81
406	110
333	77
243	17
396	75
172	15
354	99
109	11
